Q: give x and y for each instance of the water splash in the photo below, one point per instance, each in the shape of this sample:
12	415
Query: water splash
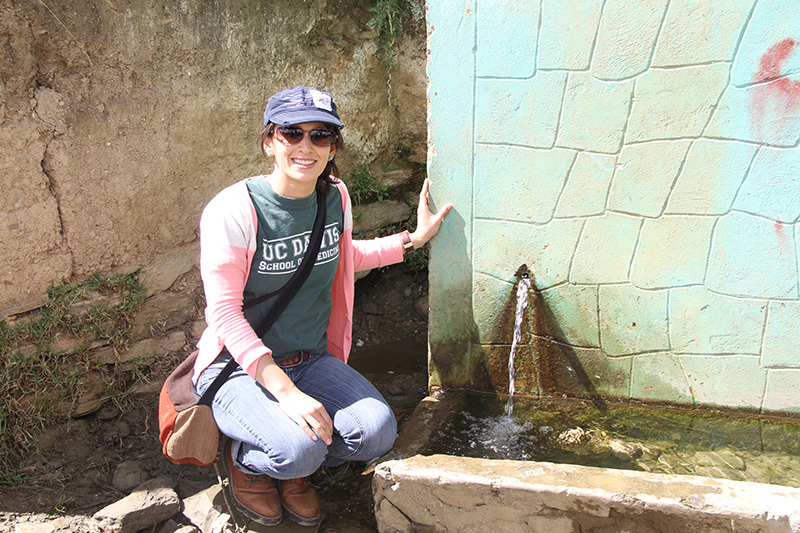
522	302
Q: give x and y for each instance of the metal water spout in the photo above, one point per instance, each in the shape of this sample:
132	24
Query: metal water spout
523	287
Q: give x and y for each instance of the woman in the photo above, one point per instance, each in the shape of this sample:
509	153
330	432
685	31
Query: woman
294	404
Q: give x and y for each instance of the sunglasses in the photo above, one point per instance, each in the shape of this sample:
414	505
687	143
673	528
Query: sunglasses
319	137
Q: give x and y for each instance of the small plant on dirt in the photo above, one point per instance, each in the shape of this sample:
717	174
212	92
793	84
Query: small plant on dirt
64	504
39	386
387	19
363	186
417	260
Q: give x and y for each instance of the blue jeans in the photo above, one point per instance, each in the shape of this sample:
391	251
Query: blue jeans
266	441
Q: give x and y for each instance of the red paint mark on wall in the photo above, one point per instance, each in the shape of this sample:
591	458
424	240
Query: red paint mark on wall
782	241
775	98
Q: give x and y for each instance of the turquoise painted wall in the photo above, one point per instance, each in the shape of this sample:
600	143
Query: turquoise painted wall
642	158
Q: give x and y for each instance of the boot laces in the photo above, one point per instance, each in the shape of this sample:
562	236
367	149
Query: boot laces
253	480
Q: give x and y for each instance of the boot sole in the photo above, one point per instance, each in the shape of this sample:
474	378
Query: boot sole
303	520
252	515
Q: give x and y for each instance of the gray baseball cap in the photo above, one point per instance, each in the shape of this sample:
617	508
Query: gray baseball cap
301	104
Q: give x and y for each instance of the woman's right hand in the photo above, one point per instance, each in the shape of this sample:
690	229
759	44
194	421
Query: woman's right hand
309	414
304	410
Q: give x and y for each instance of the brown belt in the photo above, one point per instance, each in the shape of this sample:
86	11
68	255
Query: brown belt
294	360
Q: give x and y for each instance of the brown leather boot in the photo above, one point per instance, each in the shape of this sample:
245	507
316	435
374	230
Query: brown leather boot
300	501
255	496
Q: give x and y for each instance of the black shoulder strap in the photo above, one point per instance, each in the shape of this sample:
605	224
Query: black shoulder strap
285	294
316	236
288	291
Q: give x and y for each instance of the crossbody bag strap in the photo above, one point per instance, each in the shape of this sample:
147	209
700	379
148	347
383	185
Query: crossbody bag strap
285	295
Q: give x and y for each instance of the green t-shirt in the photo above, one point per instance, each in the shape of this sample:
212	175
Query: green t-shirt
279	251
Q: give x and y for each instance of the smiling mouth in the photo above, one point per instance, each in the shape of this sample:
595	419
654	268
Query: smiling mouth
304	162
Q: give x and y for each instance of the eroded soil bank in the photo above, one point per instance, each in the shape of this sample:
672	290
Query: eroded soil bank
76	469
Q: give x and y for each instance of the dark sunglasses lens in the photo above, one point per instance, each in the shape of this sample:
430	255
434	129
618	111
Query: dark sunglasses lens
322	137
293	135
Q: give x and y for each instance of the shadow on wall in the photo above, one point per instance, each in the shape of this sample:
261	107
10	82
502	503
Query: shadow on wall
450	328
543	365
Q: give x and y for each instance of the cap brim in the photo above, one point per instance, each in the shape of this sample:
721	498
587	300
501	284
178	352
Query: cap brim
306	115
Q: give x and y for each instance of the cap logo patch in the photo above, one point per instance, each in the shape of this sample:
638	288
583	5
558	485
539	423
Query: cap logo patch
321	100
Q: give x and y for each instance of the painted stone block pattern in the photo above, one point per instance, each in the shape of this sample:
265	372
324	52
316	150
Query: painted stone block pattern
595	113
632	320
528	108
672	252
642	159
496	23
659	375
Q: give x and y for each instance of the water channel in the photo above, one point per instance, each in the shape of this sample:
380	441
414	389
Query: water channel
623	435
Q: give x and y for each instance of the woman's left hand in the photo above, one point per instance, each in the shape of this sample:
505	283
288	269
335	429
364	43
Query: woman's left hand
427	222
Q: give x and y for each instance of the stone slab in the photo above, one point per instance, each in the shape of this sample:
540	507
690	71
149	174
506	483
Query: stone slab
449	494
605	250
519	112
502	247
645	176
568	46
684	43
160	274
782	336
495	24
633	320
607	376
782	394
571	312
754	257
710	378
586	191
626	37
493	311
710	178
595	113
519	184
771	23
672	252
675	103
772	187
702	322
659	377
761	113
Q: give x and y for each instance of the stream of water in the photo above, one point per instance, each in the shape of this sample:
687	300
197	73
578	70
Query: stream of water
522	302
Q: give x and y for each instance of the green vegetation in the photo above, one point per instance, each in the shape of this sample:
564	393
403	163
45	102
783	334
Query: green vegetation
363	186
38	386
387	20
417	260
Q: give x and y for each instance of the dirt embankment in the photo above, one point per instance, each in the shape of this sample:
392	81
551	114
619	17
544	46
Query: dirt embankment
119	120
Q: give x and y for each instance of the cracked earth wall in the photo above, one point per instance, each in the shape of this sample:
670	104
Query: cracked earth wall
120	119
643	160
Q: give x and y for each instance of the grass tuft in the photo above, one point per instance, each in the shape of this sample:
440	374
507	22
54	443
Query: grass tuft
38	385
363	186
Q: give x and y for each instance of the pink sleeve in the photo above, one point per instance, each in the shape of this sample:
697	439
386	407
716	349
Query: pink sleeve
227	243
377	252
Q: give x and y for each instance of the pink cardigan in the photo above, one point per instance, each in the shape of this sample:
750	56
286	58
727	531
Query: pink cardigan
228	230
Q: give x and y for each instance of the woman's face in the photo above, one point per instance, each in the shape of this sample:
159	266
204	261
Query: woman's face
297	166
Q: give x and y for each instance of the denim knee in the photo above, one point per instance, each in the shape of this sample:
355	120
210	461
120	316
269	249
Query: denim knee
300	459
383	436
366	430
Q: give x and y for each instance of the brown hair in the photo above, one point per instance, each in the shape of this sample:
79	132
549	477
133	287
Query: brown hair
331	171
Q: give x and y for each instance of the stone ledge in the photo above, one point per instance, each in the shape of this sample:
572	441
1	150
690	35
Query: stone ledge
465	494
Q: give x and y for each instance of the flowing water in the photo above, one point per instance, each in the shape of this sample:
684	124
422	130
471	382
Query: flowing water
522	302
628	436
